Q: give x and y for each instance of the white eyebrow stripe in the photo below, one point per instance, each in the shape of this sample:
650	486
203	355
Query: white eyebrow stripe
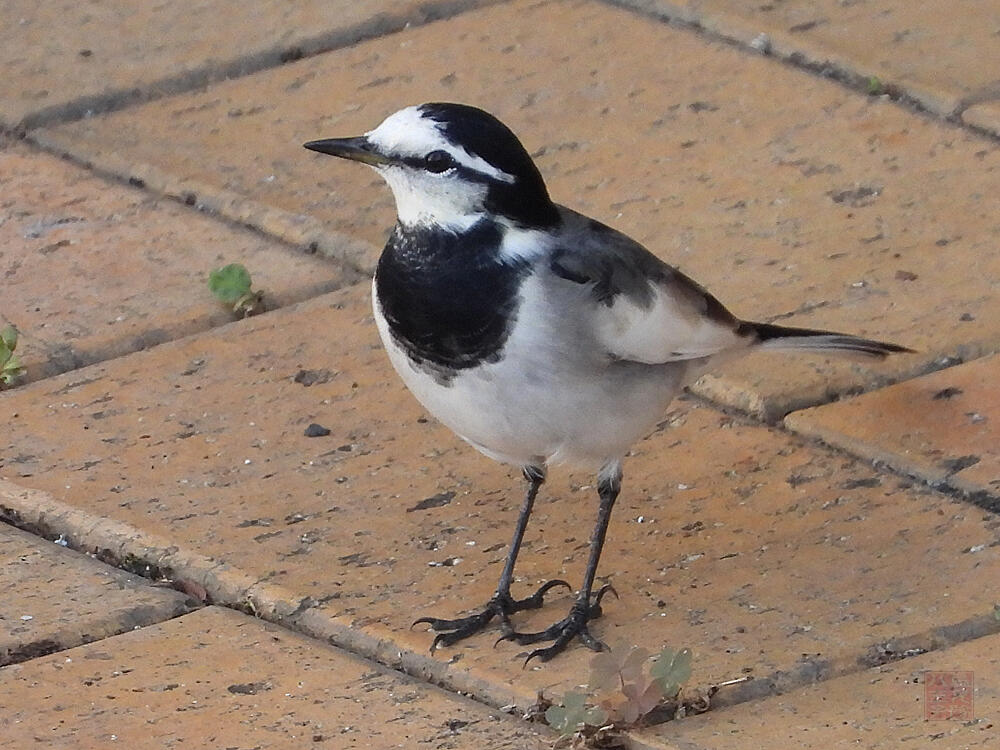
478	164
408	133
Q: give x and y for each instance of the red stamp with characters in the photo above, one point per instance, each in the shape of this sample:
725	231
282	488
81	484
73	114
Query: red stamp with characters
948	695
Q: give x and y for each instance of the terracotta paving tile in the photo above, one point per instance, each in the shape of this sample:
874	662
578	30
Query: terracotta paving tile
935	56
766	555
220	679
985	116
54	599
787	195
882	707
93	270
943	427
62	59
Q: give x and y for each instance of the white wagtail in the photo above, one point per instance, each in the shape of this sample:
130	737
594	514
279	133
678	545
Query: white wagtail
538	335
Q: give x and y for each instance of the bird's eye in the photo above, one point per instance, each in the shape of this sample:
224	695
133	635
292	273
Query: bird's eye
438	162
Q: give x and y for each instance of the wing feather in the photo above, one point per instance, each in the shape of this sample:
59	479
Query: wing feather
643	309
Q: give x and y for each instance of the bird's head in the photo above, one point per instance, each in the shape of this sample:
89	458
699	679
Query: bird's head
448	165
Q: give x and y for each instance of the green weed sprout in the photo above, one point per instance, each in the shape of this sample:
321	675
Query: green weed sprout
574	714
11	370
231	285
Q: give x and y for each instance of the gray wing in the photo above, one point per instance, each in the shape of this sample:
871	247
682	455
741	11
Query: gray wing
643	309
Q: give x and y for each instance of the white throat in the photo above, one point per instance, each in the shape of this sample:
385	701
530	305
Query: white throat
426	200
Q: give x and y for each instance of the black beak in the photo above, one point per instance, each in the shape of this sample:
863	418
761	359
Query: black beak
357	149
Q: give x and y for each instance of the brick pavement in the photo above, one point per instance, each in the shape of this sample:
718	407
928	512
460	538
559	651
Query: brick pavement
157	431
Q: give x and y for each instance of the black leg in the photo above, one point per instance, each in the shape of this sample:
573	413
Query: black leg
587	605
502	604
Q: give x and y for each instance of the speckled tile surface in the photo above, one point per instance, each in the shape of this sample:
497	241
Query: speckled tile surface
946	699
941	427
63	58
93	270
790	197
932	52
266	688
765	555
55	599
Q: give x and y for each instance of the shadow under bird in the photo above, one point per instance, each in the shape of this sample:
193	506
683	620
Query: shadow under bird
537	334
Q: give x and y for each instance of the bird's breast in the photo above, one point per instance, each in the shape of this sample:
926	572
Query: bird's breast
447	300
549	397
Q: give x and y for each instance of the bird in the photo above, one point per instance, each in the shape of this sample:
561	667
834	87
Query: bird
538	335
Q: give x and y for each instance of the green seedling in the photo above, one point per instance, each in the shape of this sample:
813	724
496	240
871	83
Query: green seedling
875	87
574	715
620	676
626	685
231	285
11	370
671	670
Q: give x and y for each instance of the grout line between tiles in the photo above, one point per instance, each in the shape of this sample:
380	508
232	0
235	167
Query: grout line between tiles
383	24
97	627
913	101
298	232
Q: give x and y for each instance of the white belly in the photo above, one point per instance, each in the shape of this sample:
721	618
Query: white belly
552	398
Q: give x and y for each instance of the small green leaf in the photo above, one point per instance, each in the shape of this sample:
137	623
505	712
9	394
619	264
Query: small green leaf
573	713
5	354
875	86
8	337
10	369
558	719
595	716
672	670
230	283
565	718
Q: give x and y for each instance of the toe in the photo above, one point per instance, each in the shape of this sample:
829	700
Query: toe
536	600
590	642
557	647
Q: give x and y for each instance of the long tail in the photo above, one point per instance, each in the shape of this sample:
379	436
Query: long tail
809	339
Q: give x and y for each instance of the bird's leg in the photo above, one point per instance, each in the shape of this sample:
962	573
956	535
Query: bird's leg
501	604
587	605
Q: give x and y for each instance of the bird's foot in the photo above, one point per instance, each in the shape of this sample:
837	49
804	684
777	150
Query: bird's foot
502	606
574	625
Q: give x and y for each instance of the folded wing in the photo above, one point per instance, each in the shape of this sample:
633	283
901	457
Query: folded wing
644	310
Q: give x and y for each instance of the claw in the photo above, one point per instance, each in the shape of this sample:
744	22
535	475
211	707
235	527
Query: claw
562	632
438	624
536	653
510	635
536	600
595	605
446	639
500	606
549	651
605	589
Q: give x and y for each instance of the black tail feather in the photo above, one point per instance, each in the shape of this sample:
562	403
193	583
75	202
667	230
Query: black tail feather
786	337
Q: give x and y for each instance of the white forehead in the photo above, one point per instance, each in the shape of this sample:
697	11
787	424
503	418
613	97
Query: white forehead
408	133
